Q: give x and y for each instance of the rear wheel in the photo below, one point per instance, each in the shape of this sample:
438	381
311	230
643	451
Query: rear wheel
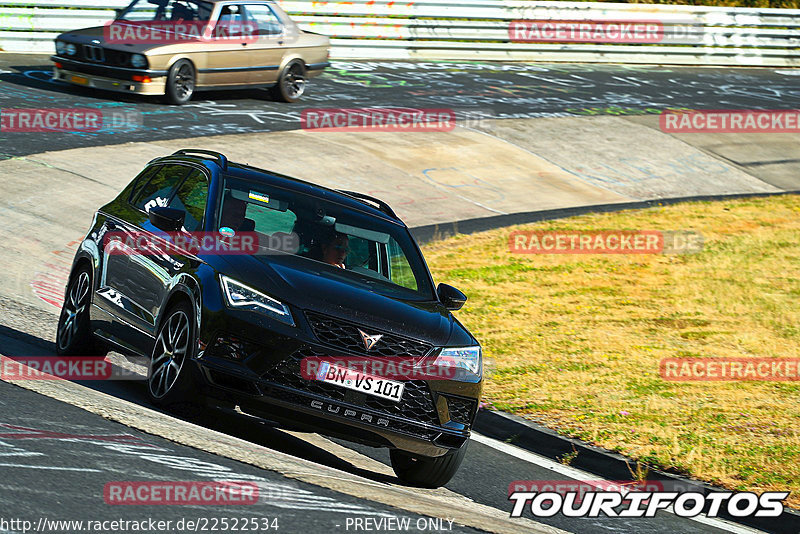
425	471
291	83
74	336
169	378
180	82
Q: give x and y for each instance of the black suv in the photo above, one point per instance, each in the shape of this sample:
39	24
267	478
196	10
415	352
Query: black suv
333	274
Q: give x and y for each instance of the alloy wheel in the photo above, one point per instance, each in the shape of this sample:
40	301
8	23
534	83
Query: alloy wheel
169	354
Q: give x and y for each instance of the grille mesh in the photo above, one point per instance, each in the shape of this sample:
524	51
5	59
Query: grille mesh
461	410
344	335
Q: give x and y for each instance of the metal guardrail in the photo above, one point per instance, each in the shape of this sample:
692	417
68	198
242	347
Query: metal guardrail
475	30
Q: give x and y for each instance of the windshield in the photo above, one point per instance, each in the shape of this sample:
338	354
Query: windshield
353	245
171	10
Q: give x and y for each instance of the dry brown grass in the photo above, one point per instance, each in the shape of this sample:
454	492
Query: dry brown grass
575	340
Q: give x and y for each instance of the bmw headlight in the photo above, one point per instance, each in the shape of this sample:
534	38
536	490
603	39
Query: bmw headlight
70	49
468	358
243	297
138	61
61	47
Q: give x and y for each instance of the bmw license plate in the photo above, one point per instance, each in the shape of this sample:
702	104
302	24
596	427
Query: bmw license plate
352	379
79	79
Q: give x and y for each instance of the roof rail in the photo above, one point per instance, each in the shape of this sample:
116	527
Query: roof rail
222	161
383	206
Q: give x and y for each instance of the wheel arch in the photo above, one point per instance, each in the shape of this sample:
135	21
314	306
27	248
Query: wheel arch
288	58
174	59
187	290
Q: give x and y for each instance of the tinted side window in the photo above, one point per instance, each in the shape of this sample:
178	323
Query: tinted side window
159	189
139	182
191	198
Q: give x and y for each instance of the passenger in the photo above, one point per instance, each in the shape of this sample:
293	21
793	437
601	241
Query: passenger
335	249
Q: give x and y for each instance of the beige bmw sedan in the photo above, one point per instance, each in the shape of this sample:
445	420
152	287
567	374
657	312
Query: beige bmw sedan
176	47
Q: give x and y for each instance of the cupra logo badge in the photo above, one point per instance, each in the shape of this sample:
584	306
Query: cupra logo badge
369	341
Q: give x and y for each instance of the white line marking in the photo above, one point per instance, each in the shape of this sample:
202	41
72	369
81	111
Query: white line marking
52	468
577	474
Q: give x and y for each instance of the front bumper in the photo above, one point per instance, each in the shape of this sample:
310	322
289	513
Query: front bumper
109	78
433	418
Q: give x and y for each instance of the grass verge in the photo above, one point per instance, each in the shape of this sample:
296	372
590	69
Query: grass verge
575	341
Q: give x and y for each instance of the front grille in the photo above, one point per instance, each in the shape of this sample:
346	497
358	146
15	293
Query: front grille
345	335
94	53
417	403
461	410
104	56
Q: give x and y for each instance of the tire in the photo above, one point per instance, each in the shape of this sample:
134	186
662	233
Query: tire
181	80
424	471
291	83
169	379
74	335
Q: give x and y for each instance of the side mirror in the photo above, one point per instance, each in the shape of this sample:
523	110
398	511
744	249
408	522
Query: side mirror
452	298
167	219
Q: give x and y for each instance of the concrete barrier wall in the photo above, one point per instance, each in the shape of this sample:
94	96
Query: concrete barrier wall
480	30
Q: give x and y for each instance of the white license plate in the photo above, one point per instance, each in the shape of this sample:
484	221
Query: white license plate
352	379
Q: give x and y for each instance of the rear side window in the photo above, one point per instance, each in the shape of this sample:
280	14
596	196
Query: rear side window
140	181
262	15
159	189
191	198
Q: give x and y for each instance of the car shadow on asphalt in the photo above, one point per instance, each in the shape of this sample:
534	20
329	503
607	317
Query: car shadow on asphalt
40	77
15	343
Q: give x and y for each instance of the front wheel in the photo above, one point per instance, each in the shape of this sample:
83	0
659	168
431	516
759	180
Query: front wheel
425	471
180	82
291	83
169	380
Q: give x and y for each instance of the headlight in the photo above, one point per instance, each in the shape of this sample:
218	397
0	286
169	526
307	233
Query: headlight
240	296
70	49
468	358
61	47
138	61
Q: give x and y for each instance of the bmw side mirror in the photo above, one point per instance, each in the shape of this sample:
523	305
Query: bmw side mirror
167	219
452	298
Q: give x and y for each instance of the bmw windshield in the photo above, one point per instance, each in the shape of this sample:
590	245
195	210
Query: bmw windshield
167	10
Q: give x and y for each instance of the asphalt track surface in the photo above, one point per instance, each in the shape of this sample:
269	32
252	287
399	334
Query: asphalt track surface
484	476
473	90
62	477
